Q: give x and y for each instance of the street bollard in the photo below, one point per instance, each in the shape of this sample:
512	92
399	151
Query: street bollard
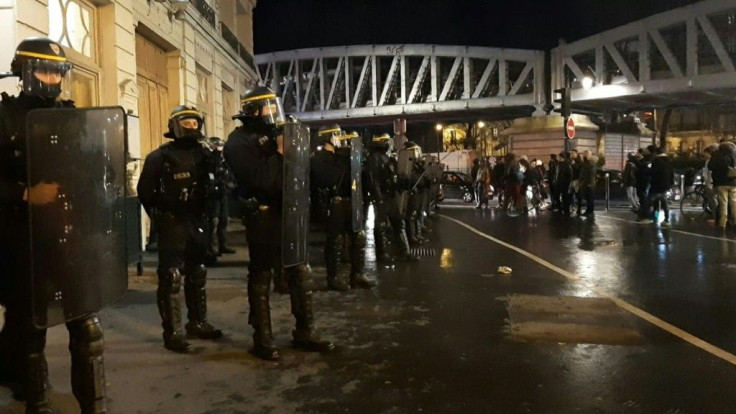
682	186
608	192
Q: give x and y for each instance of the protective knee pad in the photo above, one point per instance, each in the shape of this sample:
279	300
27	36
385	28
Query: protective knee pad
86	337
170	280
196	275
359	240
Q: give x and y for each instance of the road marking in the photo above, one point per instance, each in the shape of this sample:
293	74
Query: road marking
666	326
688	233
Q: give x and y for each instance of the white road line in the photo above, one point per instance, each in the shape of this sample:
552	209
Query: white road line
688	233
666	326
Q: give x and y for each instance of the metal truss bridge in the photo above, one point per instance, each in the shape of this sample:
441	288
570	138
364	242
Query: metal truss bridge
409	81
683	57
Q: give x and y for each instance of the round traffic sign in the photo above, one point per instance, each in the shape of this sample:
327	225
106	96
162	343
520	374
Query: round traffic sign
570	128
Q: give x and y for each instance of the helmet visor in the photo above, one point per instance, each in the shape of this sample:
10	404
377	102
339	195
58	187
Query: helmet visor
271	111
188	127
47	78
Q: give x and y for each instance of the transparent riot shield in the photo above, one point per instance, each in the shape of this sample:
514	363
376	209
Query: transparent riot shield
356	183
78	241
406	160
296	194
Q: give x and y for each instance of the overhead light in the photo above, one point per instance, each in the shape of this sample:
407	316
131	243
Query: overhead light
481	124
438	127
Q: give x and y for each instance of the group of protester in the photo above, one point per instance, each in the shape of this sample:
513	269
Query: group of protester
570	181
523	185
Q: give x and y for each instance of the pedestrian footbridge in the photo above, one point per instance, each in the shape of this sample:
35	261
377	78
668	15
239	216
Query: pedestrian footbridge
683	57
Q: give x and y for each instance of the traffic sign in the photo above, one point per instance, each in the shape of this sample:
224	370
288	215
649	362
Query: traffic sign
570	128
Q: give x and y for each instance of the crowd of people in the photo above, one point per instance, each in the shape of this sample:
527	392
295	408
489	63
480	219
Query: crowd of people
567	184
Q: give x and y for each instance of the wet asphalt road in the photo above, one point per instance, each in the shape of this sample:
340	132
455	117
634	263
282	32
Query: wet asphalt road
434	336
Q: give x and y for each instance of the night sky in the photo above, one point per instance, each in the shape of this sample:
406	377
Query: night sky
523	24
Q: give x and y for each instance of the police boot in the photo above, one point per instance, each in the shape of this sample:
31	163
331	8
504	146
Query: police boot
35	385
88	370
195	295
418	229
280	285
358	279
403	242
411	231
259	318
333	252
169	283
301	307
381	243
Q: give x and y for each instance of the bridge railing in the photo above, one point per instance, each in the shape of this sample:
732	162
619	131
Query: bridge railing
692	47
384	80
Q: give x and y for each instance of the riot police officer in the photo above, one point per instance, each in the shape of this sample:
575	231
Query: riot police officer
416	184
217	208
383	188
174	187
41	65
331	174
254	152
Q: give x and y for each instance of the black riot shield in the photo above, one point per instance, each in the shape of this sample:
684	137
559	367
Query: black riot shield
406	160
356	183
78	242
296	194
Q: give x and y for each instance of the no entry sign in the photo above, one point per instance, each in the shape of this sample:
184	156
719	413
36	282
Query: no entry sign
570	128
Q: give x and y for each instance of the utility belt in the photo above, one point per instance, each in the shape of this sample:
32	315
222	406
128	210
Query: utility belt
251	207
340	199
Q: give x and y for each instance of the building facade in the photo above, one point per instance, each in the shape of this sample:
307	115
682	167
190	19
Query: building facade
147	56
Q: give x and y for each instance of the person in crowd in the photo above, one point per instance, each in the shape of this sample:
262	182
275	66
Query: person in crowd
512	181
629	181
643	180
575	193
708	190
662	178
564	182
552	182
588	167
723	167
482	181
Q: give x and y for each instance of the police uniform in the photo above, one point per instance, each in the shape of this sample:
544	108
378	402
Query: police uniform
383	187
217	208
416	187
331	175
174	187
253	156
21	344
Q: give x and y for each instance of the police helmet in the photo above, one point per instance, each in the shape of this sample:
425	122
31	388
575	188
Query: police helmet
381	142
411	145
330	134
179	129
261	104
42	66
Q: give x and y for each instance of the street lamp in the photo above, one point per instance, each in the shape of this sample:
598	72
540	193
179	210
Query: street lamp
438	128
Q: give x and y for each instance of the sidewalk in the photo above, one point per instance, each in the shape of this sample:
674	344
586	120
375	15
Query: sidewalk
219	376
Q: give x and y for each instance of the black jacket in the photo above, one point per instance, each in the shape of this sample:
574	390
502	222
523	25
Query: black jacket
662	175
257	167
719	165
175	168
629	174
